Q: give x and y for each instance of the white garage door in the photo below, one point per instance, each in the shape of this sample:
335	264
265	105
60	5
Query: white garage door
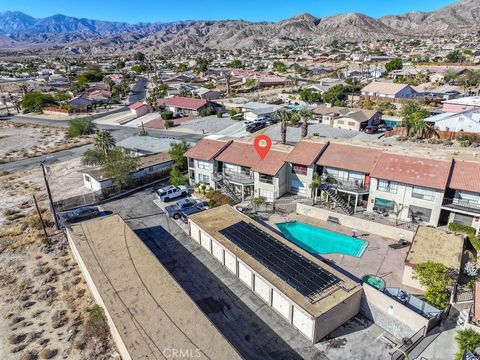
231	262
302	322
195	232
280	304
245	274
262	289
206	242
217	251
267	195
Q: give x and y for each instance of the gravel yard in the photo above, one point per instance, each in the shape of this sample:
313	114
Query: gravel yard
294	133
209	124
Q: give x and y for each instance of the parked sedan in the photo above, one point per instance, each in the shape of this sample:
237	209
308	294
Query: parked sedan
254	127
82	213
370	130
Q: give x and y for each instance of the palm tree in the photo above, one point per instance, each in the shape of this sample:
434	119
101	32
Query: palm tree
314	185
283	116
104	142
306	115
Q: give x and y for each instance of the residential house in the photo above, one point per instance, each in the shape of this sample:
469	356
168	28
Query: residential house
358	119
139	109
145	145
462	104
255	110
326	113
150	165
388	90
184	105
207	94
461	203
468	121
270	176
346	170
202	165
408	188
302	166
81	103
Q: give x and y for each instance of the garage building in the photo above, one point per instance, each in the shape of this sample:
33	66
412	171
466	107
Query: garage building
310	295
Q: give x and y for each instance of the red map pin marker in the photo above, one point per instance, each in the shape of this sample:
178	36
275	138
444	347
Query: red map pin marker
262	144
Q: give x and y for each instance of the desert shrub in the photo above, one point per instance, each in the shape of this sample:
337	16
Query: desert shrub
166	115
96	324
468	231
464	143
467	339
78	127
169	124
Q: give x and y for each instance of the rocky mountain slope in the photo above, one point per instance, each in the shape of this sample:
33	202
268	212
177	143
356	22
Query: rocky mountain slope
75	35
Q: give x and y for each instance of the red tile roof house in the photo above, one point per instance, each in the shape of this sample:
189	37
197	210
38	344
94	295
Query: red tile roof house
302	165
408	188
461	203
184	105
139	109
346	169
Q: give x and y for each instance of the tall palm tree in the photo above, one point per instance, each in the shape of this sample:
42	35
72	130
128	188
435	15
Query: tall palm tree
284	117
314	184
306	115
104	142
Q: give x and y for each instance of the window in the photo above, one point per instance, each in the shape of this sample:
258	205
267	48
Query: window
267	195
299	169
419	214
87	178
203	165
340	122
387	205
267	179
150	169
204	179
298	187
423	193
351	123
387	186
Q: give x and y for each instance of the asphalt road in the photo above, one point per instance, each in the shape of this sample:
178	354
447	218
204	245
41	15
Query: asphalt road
139	90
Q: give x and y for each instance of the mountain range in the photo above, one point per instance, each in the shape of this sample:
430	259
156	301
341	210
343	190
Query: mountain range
80	35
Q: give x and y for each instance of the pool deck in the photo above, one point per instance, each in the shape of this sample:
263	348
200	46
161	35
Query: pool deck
377	259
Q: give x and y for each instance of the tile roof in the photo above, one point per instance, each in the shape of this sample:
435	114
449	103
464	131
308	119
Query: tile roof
239	153
465	176
387	88
182	102
137	105
412	170
305	153
206	149
354	158
272	163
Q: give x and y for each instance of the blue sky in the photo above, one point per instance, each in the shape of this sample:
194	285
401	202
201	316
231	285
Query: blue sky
254	10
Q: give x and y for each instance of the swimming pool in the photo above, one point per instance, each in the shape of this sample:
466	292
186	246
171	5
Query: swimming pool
316	240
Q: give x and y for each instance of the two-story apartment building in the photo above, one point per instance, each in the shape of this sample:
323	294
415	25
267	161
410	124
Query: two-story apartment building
346	170
270	176
408	188
302	165
461	203
201	161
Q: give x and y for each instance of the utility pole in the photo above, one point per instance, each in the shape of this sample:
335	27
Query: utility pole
41	218
52	206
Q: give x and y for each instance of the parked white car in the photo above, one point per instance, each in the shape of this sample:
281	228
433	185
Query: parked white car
171	192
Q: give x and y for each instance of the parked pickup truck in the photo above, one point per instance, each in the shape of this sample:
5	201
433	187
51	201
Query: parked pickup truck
190	211
171	192
175	211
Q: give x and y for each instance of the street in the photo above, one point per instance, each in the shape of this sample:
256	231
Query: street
139	91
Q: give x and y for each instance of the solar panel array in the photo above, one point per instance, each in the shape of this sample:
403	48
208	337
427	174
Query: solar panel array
305	276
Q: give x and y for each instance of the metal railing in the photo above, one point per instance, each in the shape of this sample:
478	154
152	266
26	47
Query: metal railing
408	345
352	185
461	204
241	178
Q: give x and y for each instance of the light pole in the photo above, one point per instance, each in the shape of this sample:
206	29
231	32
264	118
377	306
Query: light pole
52	206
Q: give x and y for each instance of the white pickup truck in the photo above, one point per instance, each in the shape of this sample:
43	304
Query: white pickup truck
171	192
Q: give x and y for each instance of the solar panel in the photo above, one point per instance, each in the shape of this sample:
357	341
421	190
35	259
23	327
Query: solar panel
305	276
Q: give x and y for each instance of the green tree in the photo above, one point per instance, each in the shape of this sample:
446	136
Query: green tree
92	157
202	64
177	153
235	64
306	115
314	185
79	127
283	116
182	67
455	56
310	96
336	95
139	56
166	115
395	64
120	64
467	339
35	101
119	166
104	142
278	66
257	202
436	278
413	116
177	178
250	83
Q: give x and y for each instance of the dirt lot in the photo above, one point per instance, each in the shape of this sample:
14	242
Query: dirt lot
20	141
46	309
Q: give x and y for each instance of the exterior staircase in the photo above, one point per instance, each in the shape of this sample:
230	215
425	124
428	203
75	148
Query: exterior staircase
330	190
463	317
225	188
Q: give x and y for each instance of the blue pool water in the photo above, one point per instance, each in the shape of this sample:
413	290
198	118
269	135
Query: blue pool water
320	241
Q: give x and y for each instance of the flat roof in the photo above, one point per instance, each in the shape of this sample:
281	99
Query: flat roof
148	307
430	244
215	220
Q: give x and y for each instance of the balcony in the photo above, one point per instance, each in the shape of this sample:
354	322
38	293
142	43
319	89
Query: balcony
234	177
462	205
356	186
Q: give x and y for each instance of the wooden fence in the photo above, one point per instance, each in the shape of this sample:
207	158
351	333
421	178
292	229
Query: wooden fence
439	134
